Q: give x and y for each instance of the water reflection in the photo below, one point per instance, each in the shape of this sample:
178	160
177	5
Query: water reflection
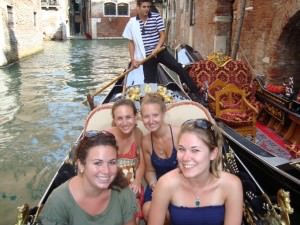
41	113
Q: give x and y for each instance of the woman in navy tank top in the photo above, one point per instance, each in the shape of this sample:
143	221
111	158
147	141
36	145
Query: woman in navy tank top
158	145
198	192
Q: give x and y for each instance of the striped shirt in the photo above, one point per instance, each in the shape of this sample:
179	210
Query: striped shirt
150	31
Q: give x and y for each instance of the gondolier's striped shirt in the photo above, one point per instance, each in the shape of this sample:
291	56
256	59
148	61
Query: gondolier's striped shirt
150	31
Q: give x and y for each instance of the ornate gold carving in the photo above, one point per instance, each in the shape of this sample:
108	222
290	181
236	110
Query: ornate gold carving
135	93
22	214
274	111
163	91
219	58
284	206
269	96
279	214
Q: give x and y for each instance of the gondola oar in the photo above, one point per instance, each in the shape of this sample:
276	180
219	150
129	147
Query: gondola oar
90	97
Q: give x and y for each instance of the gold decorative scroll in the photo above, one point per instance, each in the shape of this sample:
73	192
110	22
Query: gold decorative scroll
219	58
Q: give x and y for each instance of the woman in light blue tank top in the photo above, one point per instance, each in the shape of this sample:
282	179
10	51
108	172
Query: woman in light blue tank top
198	192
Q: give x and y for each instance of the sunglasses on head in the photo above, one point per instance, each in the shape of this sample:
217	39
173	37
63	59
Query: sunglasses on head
202	124
93	134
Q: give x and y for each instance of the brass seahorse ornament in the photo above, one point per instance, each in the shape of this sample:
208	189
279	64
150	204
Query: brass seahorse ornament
284	206
22	214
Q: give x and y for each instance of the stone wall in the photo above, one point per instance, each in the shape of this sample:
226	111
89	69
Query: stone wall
54	21
24	24
20	36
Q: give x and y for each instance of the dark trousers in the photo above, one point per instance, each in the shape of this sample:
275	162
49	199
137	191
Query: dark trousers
164	57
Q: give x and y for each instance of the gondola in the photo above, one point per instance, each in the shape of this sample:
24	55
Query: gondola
271	171
259	207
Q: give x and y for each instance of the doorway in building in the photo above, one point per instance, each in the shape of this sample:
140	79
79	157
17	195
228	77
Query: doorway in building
78	17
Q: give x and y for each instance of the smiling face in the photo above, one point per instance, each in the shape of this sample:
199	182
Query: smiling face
193	155
152	116
100	166
124	118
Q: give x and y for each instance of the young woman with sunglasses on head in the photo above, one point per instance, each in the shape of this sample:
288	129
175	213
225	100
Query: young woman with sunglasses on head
198	192
98	194
129	137
158	145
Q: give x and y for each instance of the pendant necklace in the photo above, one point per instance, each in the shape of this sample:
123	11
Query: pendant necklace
197	200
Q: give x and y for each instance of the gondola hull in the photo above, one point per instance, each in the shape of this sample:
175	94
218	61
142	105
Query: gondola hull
181	109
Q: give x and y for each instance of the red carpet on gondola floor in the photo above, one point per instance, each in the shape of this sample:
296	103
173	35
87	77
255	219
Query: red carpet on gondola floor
270	141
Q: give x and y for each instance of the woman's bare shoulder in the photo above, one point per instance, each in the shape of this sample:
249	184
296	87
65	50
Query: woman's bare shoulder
171	178
229	180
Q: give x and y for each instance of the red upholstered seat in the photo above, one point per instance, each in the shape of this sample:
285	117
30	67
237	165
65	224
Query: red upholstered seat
223	68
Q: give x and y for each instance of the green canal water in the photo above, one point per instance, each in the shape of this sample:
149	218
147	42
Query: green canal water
42	114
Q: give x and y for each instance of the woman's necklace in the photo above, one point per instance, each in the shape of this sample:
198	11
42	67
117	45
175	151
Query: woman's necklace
197	202
196	195
197	199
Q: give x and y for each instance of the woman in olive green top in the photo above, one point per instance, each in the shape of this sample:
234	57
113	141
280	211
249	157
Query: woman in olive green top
98	194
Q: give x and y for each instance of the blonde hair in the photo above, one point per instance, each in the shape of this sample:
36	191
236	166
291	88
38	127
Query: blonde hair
154	98
211	136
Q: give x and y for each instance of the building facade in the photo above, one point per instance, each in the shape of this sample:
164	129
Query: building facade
25	24
20	34
109	17
266	33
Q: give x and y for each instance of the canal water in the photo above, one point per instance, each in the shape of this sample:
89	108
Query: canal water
42	114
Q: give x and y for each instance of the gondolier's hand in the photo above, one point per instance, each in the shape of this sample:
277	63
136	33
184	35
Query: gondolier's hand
155	52
135	63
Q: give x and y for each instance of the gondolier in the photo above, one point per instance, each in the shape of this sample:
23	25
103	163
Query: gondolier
146	34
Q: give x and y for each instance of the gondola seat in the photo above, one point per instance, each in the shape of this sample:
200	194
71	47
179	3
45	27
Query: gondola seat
239	113
221	67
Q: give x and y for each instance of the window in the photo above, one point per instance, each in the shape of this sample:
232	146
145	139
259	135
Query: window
113	9
10	17
109	9
123	9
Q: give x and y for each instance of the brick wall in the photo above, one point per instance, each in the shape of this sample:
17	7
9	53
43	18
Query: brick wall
269	40
110	26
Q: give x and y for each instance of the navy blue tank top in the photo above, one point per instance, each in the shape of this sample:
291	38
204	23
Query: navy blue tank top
163	166
207	215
